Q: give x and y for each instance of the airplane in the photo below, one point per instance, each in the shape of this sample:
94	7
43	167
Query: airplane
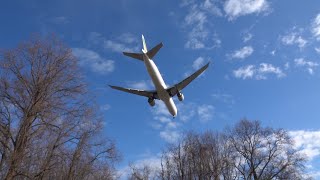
162	92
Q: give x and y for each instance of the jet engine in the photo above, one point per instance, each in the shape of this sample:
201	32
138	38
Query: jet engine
151	102
180	96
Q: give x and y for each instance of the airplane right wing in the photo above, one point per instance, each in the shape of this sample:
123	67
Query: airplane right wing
173	90
149	94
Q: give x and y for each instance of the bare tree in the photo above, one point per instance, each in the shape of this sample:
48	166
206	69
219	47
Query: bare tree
48	128
245	151
197	156
142	173
264	153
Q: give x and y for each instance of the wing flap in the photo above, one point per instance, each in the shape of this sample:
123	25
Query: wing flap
149	94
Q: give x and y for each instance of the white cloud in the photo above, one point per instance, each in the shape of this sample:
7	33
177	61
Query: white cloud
160	109
143	85
259	73
170	136
95	38
268	69
225	98
317	49
300	62
187	2
196	17
236	8
118	46
169	128
211	7
89	58
308	142
294	39
200	37
247	37
123	42
286	65
164	123
245	72
105	107
151	161
205	112
273	52
315	27
60	20
196	37
127	38
198	63
242	53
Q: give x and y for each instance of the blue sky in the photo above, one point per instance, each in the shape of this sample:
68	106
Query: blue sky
264	58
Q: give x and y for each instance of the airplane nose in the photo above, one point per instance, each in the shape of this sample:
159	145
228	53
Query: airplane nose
174	113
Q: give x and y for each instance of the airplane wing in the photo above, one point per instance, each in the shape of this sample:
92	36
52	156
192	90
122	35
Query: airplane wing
173	90
149	94
138	56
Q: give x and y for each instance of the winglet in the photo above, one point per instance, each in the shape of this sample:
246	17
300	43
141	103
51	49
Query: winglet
144	50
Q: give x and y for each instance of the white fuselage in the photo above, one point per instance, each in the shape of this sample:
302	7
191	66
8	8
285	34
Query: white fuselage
160	85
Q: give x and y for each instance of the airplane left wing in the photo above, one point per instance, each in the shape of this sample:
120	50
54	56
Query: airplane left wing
149	94
173	90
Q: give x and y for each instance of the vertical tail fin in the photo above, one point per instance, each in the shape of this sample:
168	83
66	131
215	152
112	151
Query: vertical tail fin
150	53
144	50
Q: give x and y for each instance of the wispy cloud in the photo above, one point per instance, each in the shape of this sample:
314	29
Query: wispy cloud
123	42
205	112
308	142
200	36
164	123
89	58
236	8
259	73
170	136
198	63
247	37
196	19
309	65
60	20
105	107
151	161
143	85
246	72
117	46
242	53
315	27
294	39
225	98
169	129
211	7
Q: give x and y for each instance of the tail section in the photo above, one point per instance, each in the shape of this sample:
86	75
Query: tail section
150	53
144	50
154	50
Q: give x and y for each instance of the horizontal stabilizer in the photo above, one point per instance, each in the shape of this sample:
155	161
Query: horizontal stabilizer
154	50
138	56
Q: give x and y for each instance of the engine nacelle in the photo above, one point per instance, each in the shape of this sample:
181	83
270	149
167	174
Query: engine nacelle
180	96
151	102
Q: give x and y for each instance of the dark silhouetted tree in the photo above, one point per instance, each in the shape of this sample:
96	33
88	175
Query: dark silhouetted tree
48	127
